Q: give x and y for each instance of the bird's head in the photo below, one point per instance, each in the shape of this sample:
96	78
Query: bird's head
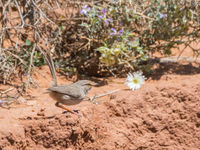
86	84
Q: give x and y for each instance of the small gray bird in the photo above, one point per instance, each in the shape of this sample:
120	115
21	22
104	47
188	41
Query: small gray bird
69	94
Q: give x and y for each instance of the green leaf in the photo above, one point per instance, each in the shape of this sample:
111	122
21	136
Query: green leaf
61	27
168	52
28	42
134	44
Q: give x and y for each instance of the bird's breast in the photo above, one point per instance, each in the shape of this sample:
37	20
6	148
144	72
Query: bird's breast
64	99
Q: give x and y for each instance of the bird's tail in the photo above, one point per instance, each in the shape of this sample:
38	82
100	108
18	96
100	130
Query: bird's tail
50	63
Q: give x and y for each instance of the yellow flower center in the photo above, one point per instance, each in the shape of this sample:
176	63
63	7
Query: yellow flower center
135	81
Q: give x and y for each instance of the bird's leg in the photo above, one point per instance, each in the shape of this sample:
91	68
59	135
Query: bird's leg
63	107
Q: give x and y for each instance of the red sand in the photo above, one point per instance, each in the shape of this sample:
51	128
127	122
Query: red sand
163	114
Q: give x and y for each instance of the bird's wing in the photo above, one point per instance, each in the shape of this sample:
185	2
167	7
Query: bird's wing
73	91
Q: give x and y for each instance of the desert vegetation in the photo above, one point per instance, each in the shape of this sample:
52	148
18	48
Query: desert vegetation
98	38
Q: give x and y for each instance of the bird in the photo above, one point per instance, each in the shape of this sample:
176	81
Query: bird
67	94
70	94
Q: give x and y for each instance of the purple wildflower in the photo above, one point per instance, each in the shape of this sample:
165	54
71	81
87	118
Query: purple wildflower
164	16
104	18
104	10
85	9
106	21
115	32
120	32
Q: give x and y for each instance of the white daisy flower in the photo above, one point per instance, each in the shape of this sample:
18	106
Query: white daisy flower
135	80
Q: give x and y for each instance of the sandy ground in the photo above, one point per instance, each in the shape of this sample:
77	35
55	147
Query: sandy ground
164	114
